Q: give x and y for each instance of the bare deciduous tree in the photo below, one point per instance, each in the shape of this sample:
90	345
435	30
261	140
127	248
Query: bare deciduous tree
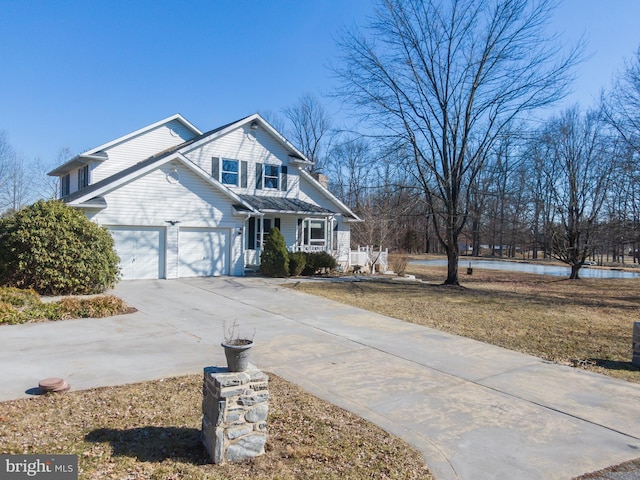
447	78
622	107
310	129
16	190
578	173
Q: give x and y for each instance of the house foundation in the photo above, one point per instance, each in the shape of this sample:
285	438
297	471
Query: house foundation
235	406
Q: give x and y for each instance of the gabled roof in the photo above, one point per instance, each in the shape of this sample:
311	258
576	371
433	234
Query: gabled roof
294	154
97	153
336	201
89	197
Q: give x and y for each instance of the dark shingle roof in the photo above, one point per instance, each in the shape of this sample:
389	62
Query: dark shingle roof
282	205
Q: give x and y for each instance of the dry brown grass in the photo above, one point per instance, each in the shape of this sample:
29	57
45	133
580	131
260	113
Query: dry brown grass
586	323
152	431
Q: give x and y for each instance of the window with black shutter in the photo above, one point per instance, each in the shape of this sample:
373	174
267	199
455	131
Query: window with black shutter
215	168
243	174
258	176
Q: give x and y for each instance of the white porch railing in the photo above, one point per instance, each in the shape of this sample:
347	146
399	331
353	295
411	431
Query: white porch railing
367	258
308	248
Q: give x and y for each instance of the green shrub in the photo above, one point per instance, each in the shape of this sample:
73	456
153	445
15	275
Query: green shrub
274	260
319	262
10	315
66	308
95	307
56	250
45	311
297	261
19	297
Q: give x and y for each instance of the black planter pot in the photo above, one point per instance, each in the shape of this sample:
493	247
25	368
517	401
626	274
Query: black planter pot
237	353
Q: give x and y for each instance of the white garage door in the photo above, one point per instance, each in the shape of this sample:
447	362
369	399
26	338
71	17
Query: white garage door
203	252
141	251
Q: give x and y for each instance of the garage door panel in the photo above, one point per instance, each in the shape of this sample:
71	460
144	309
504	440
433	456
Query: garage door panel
141	251
203	252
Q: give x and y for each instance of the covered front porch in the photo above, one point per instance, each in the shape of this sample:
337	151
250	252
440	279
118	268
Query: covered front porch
304	226
301	234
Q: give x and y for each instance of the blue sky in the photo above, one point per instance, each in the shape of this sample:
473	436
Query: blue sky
80	73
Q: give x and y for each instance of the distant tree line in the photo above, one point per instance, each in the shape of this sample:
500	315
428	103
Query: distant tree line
446	158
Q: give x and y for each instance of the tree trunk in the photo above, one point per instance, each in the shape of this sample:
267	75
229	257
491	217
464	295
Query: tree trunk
575	272
453	254
475	241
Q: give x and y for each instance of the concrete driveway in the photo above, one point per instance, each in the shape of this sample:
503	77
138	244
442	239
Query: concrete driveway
475	411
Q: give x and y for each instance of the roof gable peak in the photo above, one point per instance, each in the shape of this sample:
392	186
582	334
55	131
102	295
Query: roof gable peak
254	122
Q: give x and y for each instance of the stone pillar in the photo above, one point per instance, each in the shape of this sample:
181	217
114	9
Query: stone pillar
234	413
636	344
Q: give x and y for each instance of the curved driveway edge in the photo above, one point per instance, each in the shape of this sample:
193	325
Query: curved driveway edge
475	411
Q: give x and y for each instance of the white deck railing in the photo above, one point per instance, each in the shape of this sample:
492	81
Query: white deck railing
370	258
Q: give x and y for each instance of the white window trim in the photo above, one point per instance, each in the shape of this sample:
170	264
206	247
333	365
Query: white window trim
265	176
223	171
306	225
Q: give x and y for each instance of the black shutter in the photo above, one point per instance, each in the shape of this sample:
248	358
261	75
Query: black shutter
251	245
215	168
277	224
283	179
243	174
258	176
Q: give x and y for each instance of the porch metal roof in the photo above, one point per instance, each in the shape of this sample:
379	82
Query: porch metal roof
283	205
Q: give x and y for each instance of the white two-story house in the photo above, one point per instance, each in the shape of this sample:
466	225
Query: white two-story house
180	202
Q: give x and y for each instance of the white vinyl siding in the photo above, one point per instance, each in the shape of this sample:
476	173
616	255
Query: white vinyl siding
143	146
288	228
342	243
168	194
141	251
175	194
264	150
311	194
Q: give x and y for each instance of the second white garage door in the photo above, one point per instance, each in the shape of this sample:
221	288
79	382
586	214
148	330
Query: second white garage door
203	252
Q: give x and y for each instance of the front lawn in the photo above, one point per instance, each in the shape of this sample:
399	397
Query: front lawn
151	430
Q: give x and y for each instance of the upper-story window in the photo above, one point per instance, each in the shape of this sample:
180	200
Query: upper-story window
83	177
65	185
272	177
229	171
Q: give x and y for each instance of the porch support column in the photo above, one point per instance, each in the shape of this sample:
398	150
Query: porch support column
261	233
331	226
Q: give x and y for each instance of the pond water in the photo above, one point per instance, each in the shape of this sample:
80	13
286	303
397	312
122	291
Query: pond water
555	270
